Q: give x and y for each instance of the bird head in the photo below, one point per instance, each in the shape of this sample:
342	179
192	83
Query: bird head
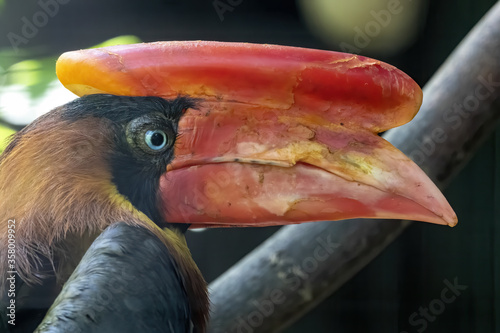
99	148
280	134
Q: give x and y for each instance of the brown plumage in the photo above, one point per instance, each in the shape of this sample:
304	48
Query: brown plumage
57	183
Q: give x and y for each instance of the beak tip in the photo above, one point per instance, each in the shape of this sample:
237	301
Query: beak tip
448	218
453	222
445	215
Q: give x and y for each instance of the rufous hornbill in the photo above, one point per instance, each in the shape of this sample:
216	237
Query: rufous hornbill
263	135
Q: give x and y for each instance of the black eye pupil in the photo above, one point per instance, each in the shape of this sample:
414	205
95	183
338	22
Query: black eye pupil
157	139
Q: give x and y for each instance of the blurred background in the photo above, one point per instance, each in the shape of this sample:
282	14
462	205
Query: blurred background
415	36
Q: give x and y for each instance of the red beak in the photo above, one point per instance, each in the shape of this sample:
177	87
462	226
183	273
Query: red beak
281	134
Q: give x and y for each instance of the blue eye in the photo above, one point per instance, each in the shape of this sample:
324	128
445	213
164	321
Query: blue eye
156	139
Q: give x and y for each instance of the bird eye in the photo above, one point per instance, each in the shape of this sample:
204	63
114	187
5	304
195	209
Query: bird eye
151	134
156	139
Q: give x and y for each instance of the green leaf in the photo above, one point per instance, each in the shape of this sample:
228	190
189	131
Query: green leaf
120	40
5	134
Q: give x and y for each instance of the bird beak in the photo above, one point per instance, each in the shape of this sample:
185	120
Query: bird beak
280	135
